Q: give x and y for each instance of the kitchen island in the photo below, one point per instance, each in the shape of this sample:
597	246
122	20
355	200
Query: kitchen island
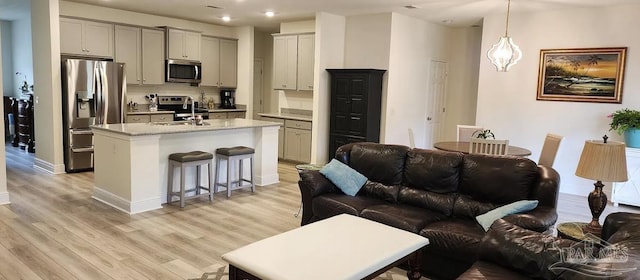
131	159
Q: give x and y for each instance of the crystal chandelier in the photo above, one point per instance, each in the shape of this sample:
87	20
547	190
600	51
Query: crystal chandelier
505	53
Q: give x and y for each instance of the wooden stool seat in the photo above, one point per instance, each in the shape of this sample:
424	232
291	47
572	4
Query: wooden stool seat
184	160
234	154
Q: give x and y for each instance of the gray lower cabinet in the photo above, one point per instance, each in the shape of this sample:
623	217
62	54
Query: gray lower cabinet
294	139
147	118
297	140
137	118
227	115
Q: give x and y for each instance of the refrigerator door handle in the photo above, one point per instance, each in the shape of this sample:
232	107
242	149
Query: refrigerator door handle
97	94
123	86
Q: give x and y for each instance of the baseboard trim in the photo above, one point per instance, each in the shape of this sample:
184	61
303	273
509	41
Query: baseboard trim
125	205
45	166
267	180
4	198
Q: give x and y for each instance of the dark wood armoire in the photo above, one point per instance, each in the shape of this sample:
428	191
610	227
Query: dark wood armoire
356	98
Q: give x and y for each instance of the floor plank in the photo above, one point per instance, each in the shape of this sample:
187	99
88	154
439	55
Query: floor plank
53	229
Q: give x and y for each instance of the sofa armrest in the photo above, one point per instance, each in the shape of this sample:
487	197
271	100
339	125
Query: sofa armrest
546	191
614	221
529	252
539	219
312	183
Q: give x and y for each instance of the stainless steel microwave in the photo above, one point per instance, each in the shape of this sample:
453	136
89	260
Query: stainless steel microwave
183	71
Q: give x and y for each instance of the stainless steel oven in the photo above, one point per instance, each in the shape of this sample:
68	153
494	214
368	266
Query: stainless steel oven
183	71
176	104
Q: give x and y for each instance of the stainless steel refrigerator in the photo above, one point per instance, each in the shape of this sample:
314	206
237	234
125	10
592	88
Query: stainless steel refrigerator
93	92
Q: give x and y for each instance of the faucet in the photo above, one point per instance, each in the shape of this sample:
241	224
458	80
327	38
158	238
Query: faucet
193	108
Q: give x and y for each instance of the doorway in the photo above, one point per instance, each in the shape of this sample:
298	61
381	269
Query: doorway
436	111
258	102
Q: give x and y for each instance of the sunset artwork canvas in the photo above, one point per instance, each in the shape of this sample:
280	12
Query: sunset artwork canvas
586	75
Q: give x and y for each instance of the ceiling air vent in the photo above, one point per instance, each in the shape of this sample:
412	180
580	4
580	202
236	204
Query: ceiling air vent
410	7
214	7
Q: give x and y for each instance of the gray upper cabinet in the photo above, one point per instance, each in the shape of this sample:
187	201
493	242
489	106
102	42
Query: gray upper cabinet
293	61
219	62
183	45
142	50
86	38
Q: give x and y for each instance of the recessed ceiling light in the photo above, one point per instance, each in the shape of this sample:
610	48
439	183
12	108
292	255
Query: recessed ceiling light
447	21
226	18
269	13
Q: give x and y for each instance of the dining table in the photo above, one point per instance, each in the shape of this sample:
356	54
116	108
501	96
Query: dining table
463	147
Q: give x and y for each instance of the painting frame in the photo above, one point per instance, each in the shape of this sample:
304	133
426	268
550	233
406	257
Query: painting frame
582	74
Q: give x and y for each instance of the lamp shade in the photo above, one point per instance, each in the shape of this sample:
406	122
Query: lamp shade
603	161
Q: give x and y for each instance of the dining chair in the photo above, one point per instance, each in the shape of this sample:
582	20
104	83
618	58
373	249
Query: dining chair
488	146
549	149
412	139
465	132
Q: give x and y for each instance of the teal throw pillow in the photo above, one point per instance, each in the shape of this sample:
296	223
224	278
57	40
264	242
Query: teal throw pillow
487	219
344	177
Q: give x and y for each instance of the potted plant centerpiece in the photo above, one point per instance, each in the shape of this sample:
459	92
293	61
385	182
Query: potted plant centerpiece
626	121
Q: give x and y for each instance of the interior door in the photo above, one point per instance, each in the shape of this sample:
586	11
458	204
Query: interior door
436	110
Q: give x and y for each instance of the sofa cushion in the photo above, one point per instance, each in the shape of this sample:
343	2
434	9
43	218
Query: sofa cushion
380	191
467	207
379	162
433	170
458	239
329	205
486	219
442	203
402	216
498	180
344	177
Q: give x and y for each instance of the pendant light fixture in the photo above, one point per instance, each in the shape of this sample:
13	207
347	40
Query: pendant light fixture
505	53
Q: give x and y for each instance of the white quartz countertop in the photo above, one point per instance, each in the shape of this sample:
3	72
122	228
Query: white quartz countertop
287	116
139	129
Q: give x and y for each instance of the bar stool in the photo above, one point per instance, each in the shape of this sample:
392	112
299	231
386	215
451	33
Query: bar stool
238	154
184	160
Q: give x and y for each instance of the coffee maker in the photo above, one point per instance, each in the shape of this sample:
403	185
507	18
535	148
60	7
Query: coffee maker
227	98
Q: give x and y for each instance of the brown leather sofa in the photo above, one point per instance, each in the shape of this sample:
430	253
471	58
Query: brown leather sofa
436	194
511	252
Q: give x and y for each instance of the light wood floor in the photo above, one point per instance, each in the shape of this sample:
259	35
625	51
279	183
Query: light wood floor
54	230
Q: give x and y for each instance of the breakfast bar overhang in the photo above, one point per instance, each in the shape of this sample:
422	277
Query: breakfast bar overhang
131	160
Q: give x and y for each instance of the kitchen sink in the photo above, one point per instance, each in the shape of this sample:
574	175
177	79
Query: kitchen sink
178	123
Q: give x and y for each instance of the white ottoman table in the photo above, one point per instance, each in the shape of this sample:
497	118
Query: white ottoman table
340	247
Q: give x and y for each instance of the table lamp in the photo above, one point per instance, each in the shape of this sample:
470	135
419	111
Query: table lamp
601	161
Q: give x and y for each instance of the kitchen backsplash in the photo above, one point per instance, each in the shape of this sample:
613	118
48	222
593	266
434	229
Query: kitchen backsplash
137	93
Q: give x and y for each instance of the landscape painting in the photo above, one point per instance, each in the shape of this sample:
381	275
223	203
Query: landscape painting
586	75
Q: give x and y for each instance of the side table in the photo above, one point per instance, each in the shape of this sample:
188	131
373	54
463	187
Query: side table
573	231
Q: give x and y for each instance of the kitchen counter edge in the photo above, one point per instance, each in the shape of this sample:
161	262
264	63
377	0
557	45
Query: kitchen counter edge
144	129
286	116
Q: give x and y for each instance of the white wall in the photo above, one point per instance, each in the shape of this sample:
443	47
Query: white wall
22	53
462	88
7	58
329	53
507	101
47	91
244	90
4	195
368	41
414	43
